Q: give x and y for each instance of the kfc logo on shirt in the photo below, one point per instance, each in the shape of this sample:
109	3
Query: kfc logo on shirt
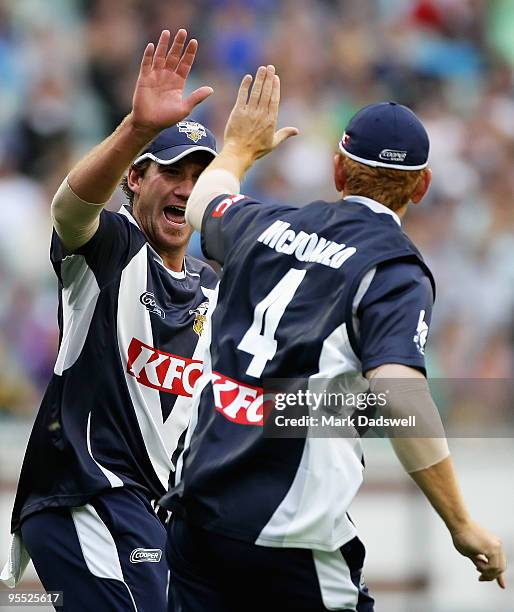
162	371
238	403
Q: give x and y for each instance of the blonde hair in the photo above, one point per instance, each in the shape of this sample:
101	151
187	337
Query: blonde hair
393	188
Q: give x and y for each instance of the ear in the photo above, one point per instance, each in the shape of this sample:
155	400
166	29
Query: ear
422	186
339	172
134	179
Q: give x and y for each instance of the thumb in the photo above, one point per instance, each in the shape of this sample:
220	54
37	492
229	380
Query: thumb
197	96
283	134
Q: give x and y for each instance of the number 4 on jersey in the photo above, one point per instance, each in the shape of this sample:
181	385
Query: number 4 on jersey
259	339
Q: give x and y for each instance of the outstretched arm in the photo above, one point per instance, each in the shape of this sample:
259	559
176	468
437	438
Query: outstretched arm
158	103
428	462
250	133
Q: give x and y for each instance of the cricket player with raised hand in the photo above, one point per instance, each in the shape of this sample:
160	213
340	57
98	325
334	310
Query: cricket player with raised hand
132	309
326	291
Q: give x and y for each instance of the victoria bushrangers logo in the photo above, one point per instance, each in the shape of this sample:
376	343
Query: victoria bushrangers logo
194	131
148	300
200	317
149	555
392	155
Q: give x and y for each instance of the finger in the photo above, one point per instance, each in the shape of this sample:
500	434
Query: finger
173	57
275	97
267	87
186	61
161	49
242	94
284	134
198	95
501	581
255	94
146	62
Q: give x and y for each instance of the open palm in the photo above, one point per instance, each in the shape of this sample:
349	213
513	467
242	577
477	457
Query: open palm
158	97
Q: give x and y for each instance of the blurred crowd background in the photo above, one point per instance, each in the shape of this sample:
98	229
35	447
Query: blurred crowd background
67	70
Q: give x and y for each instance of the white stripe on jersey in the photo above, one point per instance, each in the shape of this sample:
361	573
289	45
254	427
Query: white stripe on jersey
205	377
134	322
180	416
79	296
312	514
114	480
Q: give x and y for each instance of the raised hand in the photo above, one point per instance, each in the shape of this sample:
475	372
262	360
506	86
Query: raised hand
251	126
158	97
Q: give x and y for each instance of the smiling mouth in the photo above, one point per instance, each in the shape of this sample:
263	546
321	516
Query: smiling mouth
175	215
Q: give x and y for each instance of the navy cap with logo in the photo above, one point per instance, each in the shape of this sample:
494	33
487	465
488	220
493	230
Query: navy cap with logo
386	135
177	141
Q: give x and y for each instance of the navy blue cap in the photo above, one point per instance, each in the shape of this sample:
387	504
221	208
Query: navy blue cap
386	135
177	141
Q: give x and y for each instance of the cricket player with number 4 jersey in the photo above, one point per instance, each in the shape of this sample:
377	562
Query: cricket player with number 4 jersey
325	291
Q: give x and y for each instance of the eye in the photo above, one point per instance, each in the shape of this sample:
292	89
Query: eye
172	170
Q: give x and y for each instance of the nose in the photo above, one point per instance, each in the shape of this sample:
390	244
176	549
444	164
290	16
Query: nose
184	188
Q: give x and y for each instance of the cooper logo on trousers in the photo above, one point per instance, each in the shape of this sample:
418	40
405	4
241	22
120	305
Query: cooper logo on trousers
149	555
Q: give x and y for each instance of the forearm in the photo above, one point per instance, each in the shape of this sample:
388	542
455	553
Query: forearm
95	177
211	184
426	457
439	484
234	159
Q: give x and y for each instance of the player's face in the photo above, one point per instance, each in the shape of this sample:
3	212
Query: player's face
161	199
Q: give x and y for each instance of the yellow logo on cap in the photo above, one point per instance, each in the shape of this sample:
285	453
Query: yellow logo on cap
194	131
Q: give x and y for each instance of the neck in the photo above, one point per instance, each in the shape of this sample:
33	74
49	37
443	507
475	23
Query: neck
400	211
174	260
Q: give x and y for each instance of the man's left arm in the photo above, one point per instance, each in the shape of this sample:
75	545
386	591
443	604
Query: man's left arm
250	133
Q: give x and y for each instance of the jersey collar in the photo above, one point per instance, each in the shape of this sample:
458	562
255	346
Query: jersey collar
126	212
374	206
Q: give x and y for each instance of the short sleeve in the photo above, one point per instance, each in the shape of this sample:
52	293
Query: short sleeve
224	220
394	316
107	253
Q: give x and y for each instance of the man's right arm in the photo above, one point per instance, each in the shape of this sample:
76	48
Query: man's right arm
428	462
393	321
157	103
81	197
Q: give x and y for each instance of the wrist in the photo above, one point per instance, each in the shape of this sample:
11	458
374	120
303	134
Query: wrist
142	134
458	523
237	158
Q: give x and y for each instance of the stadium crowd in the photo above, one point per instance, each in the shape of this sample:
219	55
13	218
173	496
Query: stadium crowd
68	67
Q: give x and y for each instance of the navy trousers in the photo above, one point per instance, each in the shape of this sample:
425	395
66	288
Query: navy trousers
213	573
105	556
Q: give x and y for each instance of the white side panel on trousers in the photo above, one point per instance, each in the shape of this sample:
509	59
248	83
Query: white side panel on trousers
337	589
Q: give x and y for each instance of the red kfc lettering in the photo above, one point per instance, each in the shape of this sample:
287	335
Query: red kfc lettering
162	371
237	402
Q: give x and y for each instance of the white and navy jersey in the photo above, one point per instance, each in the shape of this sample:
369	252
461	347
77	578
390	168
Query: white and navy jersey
317	292
118	404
